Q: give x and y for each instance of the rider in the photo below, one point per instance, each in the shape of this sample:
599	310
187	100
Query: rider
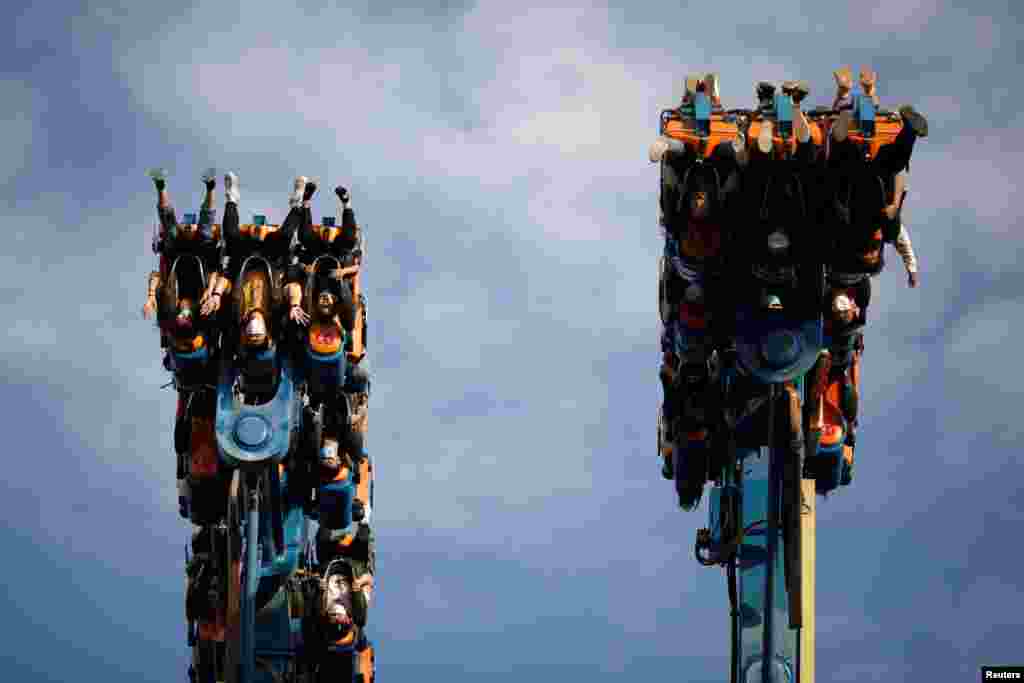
348	590
275	247
334	302
693	210
354	544
867	199
843	324
869	193
781	242
174	239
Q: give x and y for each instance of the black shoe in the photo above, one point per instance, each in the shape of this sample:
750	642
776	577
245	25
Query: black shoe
342	194
917	122
765	94
210	179
310	190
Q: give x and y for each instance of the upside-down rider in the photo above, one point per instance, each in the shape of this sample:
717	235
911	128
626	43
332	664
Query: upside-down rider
693	205
344	553
332	301
865	210
173	240
257	316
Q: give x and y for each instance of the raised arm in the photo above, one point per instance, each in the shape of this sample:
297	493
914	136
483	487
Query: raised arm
906	252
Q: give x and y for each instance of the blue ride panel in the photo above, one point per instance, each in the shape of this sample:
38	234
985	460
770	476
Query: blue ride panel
752	579
250	436
702	113
784	115
864	112
775	347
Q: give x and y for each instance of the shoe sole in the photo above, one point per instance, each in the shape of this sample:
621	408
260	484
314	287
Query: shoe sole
915	120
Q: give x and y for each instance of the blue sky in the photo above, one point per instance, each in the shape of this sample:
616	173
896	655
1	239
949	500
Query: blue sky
497	157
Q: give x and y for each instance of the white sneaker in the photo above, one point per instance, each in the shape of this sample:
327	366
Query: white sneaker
300	188
231	189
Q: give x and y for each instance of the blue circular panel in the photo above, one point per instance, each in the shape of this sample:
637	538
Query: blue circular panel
252	431
780	348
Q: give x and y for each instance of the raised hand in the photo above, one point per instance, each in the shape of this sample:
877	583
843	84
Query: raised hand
296	314
210	304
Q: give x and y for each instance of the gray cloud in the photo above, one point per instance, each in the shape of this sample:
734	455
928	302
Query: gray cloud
497	155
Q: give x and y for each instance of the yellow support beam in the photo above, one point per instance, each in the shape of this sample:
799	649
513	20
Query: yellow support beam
808	524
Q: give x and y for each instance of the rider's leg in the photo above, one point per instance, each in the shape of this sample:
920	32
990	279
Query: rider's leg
346	215
895	156
298	190
207	211
300	216
674	170
168	217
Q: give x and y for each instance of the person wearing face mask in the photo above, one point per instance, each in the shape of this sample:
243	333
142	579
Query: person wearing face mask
336	300
841	360
257	299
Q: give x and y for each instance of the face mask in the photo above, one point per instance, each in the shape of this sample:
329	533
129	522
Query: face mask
256	327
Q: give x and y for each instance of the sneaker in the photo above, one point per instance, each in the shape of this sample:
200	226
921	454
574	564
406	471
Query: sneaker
295	200
159	176
692	81
764	138
711	88
342	193
231	188
209	179
309	190
915	120
765	95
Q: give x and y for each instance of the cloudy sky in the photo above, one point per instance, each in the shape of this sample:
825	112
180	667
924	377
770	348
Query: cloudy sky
497	158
